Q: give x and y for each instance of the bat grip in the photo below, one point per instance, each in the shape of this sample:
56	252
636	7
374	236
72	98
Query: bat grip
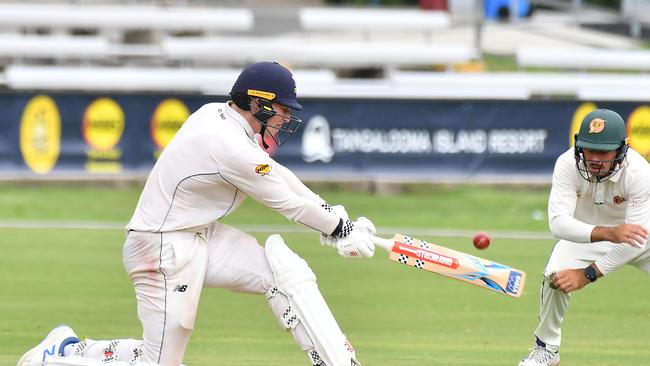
387	244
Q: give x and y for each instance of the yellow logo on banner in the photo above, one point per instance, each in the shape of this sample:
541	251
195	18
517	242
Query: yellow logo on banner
638	127
102	127
103	124
40	134
167	119
583	110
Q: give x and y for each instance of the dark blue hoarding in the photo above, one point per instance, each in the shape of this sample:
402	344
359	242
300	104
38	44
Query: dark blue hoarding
53	134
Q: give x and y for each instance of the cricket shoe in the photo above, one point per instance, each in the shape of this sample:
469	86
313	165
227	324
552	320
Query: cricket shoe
540	356
52	345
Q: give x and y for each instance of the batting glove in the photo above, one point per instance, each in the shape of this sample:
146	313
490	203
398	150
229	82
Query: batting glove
358	243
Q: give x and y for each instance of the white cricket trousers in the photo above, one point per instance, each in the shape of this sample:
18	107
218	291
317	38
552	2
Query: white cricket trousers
554	303
169	270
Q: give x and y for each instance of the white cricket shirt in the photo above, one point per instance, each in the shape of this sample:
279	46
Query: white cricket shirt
575	207
210	166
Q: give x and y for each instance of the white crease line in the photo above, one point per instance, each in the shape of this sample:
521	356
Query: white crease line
452	233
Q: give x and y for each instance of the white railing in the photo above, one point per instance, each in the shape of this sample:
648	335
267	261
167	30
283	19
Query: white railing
20	46
584	59
124	17
372	20
324	84
349	54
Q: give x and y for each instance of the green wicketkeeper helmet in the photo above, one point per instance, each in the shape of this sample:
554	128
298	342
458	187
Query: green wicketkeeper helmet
601	130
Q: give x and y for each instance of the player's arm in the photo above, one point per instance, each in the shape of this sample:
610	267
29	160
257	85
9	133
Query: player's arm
302	190
562	203
635	230
637	221
632	234
257	175
296	185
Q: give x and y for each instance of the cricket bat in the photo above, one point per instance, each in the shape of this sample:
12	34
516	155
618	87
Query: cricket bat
452	263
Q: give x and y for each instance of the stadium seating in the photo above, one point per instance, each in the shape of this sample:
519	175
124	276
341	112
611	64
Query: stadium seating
58	16
198	48
382	21
94	78
637	13
323	83
304	53
66	47
583	59
519	85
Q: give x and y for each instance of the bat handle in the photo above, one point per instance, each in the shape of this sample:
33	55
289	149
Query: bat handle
384	243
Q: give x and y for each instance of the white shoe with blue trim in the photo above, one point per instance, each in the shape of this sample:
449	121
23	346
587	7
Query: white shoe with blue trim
52	345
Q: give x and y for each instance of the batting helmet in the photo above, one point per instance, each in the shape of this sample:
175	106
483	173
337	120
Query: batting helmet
601	130
266	80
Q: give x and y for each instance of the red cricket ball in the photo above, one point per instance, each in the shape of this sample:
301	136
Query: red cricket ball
481	240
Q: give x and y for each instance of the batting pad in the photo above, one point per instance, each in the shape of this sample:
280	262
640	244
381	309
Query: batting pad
297	281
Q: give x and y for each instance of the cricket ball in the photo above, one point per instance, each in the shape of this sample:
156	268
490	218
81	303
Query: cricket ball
481	240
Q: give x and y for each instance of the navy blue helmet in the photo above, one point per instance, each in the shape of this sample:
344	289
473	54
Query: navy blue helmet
263	83
267	80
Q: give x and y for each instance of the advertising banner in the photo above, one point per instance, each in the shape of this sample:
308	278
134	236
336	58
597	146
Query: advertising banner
51	134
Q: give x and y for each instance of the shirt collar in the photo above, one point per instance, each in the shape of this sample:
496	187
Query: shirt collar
241	120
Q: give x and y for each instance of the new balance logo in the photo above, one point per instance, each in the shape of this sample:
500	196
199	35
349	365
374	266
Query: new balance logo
180	288
47	352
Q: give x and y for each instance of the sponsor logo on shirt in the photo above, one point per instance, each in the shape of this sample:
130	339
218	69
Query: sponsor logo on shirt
638	201
597	125
618	200
262	169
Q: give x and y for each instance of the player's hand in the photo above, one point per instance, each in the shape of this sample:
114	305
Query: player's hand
631	234
568	280
359	242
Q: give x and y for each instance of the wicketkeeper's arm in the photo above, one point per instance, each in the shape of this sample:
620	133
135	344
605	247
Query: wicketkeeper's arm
562	204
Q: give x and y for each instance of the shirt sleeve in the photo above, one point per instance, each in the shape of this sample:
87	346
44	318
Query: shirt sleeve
638	212
257	175
296	185
562	204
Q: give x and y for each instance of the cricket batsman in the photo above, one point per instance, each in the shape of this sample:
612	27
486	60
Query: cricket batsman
599	209
176	245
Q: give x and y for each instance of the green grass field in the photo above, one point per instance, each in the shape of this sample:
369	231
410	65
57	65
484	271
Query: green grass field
394	315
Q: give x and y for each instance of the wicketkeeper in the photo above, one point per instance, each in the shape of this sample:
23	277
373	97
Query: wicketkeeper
176	245
599	209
